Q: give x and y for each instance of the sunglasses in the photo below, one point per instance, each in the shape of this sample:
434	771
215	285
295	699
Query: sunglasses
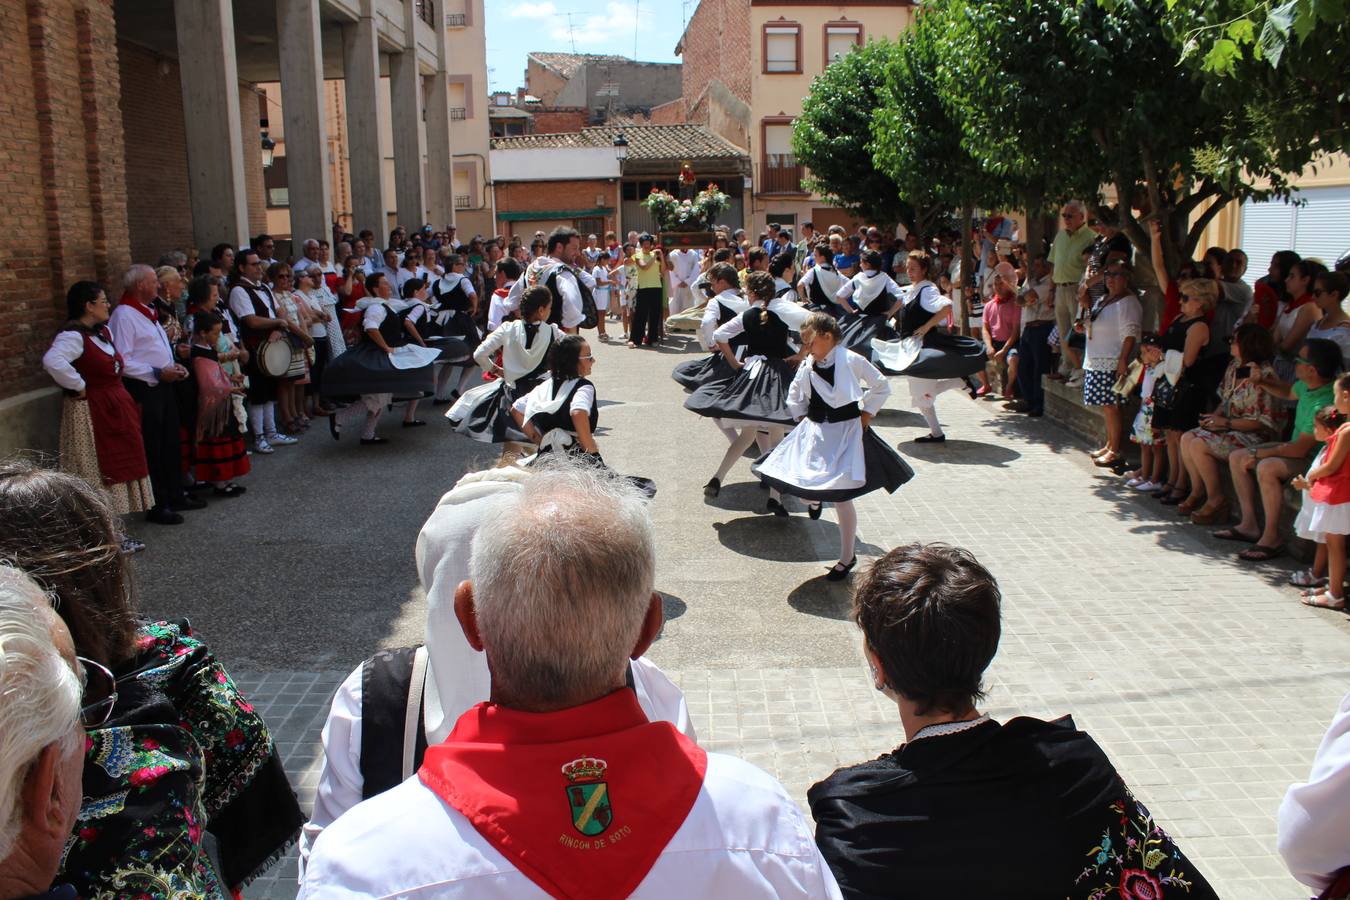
1302	361
586	358
100	693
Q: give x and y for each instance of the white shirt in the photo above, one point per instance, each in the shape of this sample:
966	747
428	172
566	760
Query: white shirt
60	357
684	266
1107	335
707	326
304	263
143	344
743	839
242	305
601	277
868	286
864	382
321	300
406	275
582	400
498	306
567	287
1043	308
1315	816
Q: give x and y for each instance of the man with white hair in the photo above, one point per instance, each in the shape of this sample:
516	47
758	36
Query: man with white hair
1066	263
559	784
149	369
41	740
310	249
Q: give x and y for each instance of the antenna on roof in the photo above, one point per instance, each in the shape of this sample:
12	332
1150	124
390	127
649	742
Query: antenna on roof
637	17
571	32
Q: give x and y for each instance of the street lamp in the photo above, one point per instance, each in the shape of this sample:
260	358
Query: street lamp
268	145
621	154
620	148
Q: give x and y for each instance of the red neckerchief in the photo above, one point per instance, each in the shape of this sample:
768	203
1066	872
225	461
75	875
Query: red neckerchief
581	801
130	300
992	223
1300	301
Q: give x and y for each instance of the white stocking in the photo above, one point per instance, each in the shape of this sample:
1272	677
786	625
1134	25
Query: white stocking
270	419
930	415
255	420
738	446
847	517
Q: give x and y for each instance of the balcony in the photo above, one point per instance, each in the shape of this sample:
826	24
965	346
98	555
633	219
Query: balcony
456	20
463	201
779	174
425	10
458	114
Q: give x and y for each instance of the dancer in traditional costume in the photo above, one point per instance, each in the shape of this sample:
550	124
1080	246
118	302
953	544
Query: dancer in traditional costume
725	305
871	298
833	456
820	283
932	358
391	360
453	328
757	394
782	268
100	423
484	412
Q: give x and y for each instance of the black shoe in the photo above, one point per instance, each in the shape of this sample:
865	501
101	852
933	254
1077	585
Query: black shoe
776	507
162	516
838	572
1018	406
436	401
186	502
366	442
230	490
333	427
712	488
199	486
814	510
931	439
415	423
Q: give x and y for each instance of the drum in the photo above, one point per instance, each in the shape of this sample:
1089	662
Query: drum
274	358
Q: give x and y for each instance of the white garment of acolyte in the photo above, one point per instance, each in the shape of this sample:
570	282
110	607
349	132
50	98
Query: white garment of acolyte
1314	817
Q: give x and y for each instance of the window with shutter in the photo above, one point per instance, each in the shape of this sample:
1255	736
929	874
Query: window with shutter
1317	229
840	40
782	48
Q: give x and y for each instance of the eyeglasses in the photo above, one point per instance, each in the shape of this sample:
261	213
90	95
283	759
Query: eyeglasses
99	695
586	358
1302	361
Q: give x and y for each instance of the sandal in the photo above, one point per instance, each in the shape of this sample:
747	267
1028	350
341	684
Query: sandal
1188	506
1232	534
1259	553
1203	516
1304	578
1172	499
1325	601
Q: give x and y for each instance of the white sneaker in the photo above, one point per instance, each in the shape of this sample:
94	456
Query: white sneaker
1148	486
262	446
282	440
1133	482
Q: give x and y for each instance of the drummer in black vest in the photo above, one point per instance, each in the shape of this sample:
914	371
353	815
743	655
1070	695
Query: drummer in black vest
254	309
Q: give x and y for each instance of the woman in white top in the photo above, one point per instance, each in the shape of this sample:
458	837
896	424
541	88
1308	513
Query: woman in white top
600	293
871	299
454	329
484	412
100	423
1113	328
832	455
322	306
821	283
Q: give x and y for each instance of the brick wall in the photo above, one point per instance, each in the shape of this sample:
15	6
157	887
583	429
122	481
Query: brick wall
61	171
159	212
672	113
560	120
716	47
554	196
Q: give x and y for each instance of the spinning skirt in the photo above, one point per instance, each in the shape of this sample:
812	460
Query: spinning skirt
757	393
484	412
366	369
945	355
695	373
860	329
832	462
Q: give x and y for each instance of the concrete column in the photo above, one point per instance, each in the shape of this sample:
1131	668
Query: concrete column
410	136
303	111
210	79
440	158
361	73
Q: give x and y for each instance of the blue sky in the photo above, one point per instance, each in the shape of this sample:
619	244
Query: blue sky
516	28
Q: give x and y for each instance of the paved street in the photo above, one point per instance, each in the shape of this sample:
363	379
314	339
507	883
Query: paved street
1206	682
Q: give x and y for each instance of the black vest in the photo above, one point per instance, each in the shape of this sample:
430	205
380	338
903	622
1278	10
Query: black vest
913	315
765	334
588	311
879	304
386	679
391	329
562	417
254	336
456	300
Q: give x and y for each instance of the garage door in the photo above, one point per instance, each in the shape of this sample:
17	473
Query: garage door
1320	228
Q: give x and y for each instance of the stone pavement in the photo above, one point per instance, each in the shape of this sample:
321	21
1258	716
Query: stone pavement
1203	678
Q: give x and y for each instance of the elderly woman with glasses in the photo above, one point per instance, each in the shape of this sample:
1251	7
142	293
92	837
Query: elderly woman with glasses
1036	803
1112	326
181	753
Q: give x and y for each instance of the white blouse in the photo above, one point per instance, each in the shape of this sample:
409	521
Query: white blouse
1107	335
60	357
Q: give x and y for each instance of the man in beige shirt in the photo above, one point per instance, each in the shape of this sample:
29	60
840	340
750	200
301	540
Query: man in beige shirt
1066	262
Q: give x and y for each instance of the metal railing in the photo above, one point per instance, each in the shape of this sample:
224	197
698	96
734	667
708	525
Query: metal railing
463	201
456	20
426	11
783	178
458	113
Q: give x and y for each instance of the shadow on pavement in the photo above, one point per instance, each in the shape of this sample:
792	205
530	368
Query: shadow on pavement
898	418
826	599
961	453
794	539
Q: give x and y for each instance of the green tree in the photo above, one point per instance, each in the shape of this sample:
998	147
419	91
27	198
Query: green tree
833	139
1089	94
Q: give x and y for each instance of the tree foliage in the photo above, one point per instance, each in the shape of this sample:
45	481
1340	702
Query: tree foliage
833	139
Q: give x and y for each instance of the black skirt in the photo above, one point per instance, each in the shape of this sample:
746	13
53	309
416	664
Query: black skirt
484	413
366	369
695	373
757	393
886	470
946	355
860	329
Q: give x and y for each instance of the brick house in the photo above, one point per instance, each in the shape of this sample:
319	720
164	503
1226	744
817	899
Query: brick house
546	180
